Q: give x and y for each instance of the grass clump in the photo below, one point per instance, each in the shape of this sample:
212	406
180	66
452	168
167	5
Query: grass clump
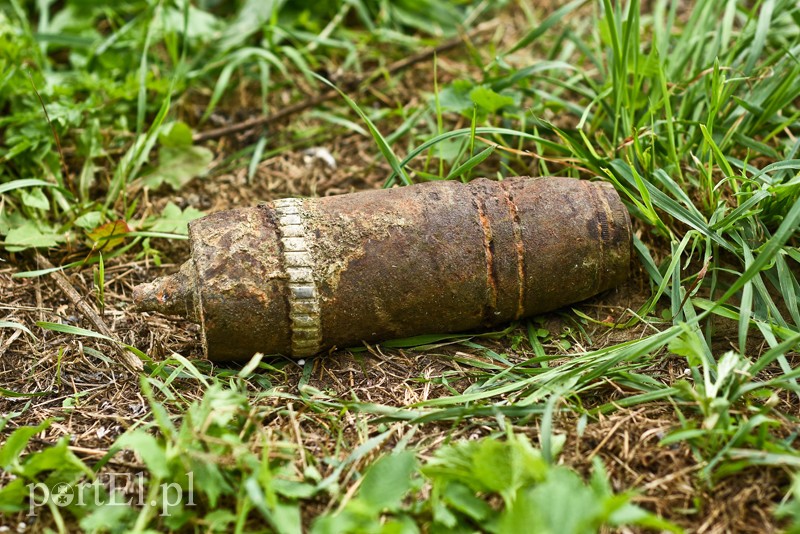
91	92
226	464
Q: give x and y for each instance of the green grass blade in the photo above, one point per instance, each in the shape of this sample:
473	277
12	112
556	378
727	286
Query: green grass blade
383	146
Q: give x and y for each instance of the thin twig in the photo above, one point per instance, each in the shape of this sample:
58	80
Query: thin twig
331	94
128	360
64	167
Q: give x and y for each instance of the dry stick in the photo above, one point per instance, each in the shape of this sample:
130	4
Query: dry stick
128	360
331	94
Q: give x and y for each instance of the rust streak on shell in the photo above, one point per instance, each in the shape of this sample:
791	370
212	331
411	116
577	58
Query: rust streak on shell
520	249
491	274
605	219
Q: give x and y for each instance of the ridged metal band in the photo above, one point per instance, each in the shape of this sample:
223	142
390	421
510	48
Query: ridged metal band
304	316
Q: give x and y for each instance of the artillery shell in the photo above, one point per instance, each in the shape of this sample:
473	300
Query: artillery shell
298	276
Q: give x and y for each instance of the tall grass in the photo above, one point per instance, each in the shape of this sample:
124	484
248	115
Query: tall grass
692	115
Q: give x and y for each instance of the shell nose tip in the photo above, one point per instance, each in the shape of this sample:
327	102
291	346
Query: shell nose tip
172	295
145	297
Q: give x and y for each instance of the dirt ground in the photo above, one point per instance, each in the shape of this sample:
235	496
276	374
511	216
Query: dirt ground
627	440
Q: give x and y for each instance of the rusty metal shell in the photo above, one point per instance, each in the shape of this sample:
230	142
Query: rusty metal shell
298	276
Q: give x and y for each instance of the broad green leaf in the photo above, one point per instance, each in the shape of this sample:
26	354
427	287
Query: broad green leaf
388	480
150	450
177	165
114	512
690	346
503	466
30	235
35	198
464	499
172	219
213	480
249	19
55	458
202	26
16	442
89	220
175	134
488	100
14	496
456	96
563	504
